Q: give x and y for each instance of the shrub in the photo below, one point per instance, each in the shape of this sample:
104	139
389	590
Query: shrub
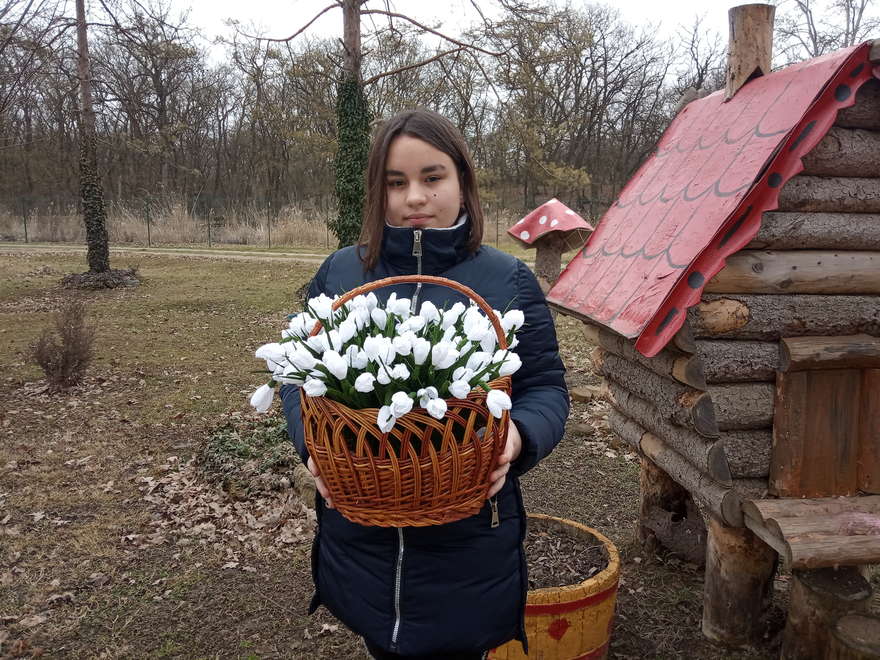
65	354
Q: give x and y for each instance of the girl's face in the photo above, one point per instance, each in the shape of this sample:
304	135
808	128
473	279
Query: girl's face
422	187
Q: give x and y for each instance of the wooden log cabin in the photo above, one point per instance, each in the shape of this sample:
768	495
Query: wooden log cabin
733	294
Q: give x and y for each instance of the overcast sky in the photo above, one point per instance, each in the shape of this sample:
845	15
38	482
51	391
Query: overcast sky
280	18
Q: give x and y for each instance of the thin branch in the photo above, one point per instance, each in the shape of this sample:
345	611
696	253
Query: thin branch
433	31
298	32
417	65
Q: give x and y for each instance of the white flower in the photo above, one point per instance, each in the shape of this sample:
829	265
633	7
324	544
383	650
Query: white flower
379	349
489	341
322	306
399	306
301	325
403	343
371	301
399	372
478	361
510	362
262	398
320	342
335	340
450	316
274	354
384	375
514	343
443	355
449	333
429	312
412	324
512	320
497	402
361	317
365	383
436	408
401	403
347	330
463	373
290	379
420	349
459	389
302	359
385	420
425	395
314	387
355	357
335	364
380	317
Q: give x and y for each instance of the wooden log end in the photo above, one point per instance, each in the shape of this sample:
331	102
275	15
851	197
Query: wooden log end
856	637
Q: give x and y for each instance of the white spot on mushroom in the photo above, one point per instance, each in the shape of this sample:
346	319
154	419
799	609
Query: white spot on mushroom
542	220
554	222
524	235
569	212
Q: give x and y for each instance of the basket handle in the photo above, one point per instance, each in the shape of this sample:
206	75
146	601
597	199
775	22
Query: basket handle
424	279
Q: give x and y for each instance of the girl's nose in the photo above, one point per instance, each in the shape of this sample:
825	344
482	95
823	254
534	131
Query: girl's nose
416	196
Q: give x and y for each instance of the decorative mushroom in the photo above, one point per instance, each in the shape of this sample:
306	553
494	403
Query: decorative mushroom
552	229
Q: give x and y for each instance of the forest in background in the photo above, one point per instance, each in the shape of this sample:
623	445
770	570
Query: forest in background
555	101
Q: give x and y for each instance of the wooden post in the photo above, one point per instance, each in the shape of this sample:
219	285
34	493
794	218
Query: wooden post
751	44
855	637
739	582
818	598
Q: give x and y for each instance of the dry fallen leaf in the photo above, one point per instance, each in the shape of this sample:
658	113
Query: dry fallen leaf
32	620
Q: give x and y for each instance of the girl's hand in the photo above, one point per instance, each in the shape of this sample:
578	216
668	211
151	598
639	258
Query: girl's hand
319	483
510	453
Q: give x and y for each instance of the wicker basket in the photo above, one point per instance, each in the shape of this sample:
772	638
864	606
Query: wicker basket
400	478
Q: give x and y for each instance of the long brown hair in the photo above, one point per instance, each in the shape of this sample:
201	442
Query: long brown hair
441	134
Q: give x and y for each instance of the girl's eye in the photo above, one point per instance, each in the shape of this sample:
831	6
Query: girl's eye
395	184
432	179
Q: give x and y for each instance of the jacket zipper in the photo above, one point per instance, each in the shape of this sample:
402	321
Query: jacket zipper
417	253
496	519
398	574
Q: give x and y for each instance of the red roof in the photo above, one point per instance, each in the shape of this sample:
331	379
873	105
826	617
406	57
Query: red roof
700	196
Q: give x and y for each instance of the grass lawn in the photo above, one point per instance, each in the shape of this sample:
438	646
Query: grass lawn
119	539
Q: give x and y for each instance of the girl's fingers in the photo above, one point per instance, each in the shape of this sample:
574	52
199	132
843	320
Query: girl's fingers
319	483
499	473
496	487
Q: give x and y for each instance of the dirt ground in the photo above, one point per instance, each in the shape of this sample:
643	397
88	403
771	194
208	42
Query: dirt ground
115	543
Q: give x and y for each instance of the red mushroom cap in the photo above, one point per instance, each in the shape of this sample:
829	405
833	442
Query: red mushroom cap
551	217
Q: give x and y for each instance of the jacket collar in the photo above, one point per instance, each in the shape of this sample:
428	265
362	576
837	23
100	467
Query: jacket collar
441	248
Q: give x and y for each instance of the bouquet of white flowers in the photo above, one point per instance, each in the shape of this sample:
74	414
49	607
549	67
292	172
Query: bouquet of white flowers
369	355
404	410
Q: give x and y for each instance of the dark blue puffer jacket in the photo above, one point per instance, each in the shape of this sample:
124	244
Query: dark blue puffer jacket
461	586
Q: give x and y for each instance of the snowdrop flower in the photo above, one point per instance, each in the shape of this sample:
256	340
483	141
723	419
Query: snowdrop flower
365	383
403	343
371	301
290	379
360	317
412	324
302	359
510	362
335	340
379	316
322	306
320	342
449	333
489	341
385	420
512	320
301	325
379	349
274	354
459	389
443	355
497	402
451	315
401	403
315	387
429	312
399	372
262	398
425	394
335	364
384	375
514	342
463	373
420	349
398	306
436	408
478	361
355	357
347	330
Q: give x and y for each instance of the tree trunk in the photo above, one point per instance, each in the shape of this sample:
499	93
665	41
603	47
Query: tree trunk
818	598
830	195
748	453
91	191
750	44
743	406
738	361
822	231
769	317
844	152
866	112
739	583
685	369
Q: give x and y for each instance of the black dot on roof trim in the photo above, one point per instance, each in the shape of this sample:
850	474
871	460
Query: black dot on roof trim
857	70
671	314
695	280
774	180
804	133
842	92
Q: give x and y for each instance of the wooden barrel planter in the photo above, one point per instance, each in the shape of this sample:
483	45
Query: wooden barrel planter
571	622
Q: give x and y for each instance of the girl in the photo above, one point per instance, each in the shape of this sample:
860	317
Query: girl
450	591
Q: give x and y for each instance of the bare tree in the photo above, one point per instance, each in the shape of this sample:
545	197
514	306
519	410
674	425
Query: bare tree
809	28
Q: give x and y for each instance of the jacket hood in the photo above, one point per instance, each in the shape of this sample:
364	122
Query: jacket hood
441	248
